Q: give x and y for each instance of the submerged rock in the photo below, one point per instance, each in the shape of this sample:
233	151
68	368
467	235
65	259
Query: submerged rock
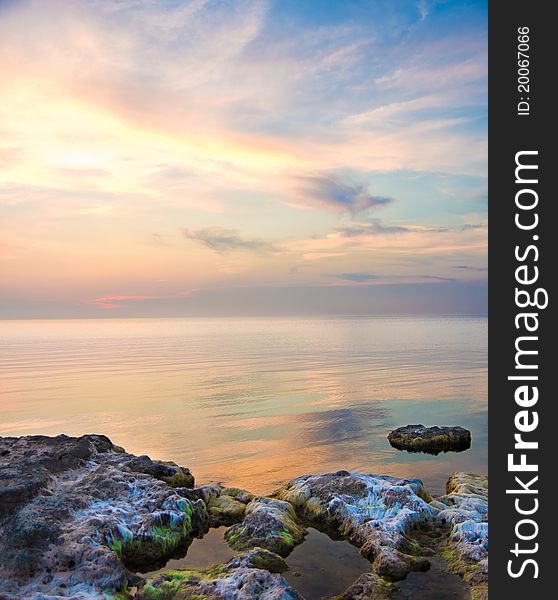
465	509
254	575
268	523
373	512
76	513
433	440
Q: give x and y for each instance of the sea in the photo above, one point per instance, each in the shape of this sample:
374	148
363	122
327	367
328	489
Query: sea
253	402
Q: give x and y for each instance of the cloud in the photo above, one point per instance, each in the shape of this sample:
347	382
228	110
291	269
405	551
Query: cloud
394	250
469	226
329	193
423	10
374	227
153	114
357	277
111	302
223	240
320	255
436	278
367	277
471	268
116	301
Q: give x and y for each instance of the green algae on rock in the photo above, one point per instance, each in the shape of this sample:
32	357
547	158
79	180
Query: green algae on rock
226	505
465	510
368	587
166	471
268	523
253	575
225	510
160	535
77	513
373	512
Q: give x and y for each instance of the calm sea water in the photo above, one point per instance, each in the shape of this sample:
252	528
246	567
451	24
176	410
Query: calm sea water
253	402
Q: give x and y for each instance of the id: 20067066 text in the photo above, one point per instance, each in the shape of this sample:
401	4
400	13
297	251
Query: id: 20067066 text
523	71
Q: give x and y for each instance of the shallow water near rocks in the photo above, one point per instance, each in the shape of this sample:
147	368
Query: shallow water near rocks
434	584
202	554
321	567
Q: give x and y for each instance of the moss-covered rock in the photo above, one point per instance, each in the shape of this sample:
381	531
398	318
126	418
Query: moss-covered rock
368	587
374	512
268	523
160	536
254	575
464	511
166	471
77	512
225	510
238	494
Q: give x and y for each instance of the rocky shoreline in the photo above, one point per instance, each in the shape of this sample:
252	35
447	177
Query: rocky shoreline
80	517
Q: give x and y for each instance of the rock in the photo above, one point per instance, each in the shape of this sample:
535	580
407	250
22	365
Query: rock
205	493
254	575
76	514
268	523
373	512
169	472
433	440
465	509
225	510
368	587
260	558
238	494
225	505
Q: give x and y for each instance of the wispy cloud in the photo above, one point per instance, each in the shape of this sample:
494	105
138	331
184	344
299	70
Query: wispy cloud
227	240
413	241
471	268
373	227
357	277
331	194
387	278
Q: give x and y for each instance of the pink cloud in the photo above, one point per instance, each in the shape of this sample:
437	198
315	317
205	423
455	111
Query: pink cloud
111	302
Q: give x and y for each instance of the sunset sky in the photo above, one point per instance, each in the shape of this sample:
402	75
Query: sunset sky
201	157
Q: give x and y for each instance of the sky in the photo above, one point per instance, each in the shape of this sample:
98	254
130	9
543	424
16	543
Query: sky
166	158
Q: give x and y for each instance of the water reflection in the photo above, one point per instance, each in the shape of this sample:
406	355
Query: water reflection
252	402
321	567
202	553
